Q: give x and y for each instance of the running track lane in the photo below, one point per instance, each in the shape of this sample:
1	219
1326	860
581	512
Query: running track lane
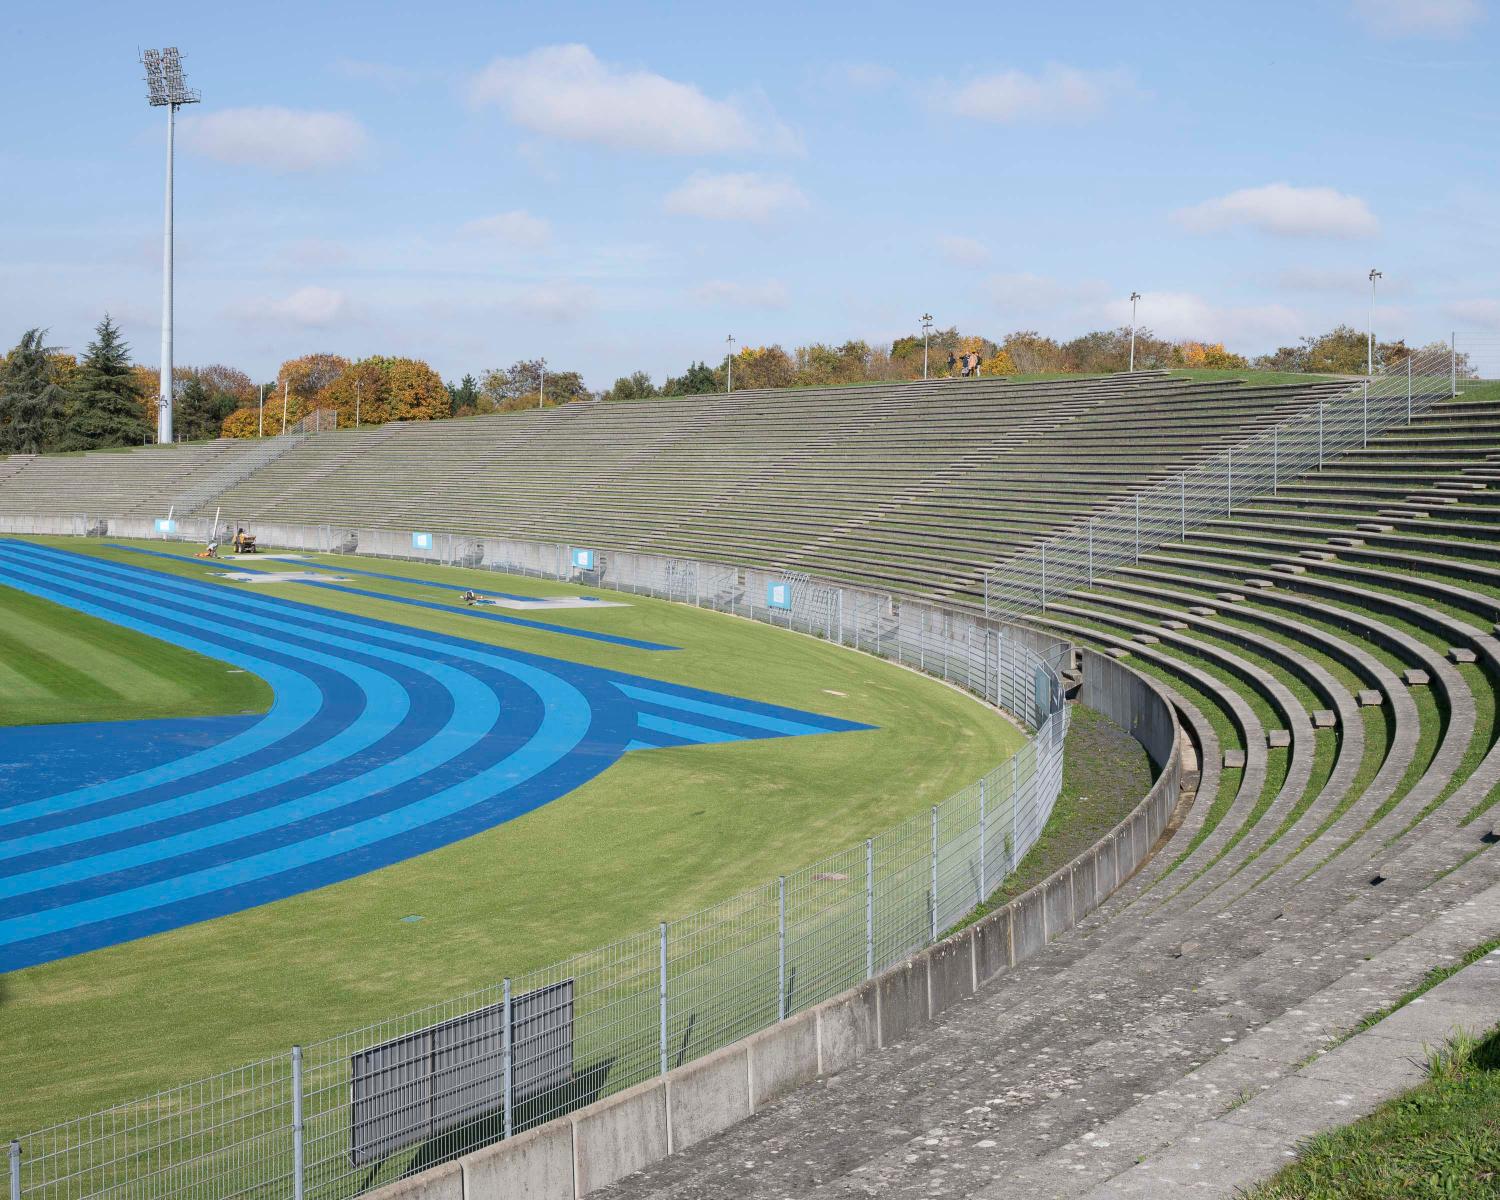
383	742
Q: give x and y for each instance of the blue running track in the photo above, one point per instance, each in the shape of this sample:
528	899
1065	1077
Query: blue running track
383	742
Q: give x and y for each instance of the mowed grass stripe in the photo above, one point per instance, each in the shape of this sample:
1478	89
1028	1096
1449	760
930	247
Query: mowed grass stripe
57	665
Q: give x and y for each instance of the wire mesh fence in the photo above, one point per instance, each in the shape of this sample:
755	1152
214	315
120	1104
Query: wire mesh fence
334	1118
1163	513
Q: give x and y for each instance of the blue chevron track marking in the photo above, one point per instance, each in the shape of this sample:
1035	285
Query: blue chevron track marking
384	741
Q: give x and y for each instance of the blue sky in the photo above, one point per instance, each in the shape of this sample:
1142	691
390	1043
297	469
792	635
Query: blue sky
620	186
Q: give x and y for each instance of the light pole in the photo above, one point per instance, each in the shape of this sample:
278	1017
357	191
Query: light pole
357	390
926	329
1370	327
166	88
541	391
729	364
1134	296
261	429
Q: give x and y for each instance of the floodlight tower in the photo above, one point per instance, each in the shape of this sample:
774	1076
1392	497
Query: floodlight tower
729	364
1134	296
166	88
541	391
926	329
1370	326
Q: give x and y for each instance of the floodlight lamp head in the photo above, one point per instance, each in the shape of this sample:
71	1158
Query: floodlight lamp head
1374	275
165	84
1134	296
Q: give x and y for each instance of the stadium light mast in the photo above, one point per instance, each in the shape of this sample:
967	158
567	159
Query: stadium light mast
1134	296
1370	326
541	390
166	88
926	329
729	364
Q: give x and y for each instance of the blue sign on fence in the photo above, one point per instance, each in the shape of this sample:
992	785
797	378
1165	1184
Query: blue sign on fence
165	525
778	595
421	541
583	559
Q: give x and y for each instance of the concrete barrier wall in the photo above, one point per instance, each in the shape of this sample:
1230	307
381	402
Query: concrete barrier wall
611	1138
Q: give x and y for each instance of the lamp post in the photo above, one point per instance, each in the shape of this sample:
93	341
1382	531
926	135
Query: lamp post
1370	327
166	88
926	330
1134	296
356	403
729	364
541	391
261	429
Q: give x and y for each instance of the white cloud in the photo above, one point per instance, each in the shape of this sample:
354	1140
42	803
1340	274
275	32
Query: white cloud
309	305
385	75
1057	93
960	250
735	196
866	76
567	92
1483	313
316	252
724	293
1032	292
559	301
516	228
1418	18
1187	315
1282	209
279	139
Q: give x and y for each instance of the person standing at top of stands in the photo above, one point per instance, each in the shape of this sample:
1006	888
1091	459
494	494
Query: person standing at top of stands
952	362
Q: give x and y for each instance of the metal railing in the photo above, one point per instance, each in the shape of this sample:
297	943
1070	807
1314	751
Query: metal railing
290	1127
1165	512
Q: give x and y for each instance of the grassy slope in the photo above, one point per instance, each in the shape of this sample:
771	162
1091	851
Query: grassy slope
1439	1140
57	665
660	834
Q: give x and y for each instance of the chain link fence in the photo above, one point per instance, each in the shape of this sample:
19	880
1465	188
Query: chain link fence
334	1118
1164	513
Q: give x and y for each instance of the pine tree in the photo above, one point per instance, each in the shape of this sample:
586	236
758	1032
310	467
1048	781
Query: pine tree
105	402
31	399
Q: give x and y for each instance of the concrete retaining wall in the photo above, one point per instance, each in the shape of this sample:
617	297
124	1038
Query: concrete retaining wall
611	1138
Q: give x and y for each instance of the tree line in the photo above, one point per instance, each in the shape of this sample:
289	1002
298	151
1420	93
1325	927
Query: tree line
53	400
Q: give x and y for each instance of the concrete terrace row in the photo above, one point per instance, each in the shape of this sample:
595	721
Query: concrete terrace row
1332	650
917	487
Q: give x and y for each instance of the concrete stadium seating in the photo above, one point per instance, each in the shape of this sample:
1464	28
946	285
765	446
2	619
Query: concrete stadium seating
1331	651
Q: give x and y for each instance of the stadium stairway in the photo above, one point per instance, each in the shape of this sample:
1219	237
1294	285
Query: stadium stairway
1340	689
1331	650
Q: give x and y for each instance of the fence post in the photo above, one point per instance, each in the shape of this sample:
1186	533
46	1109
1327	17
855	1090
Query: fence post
508	1047
934	905
1229	482
982	790
15	1169
1182	485
663	987
869	908
781	947
1408	389
1275	458
1138	527
1044	576
1364	418
1091	551
1015	807
299	1161
1320	435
